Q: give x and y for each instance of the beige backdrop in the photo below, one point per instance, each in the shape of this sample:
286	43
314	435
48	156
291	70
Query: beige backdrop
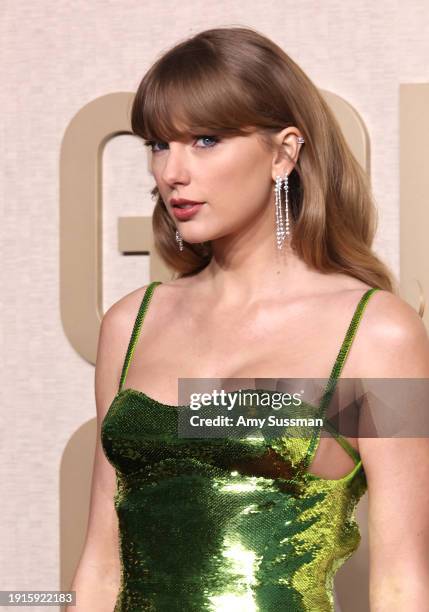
57	57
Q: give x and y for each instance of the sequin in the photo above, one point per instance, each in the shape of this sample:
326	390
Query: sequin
225	524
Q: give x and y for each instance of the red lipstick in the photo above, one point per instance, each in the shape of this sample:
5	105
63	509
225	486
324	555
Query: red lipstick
184	209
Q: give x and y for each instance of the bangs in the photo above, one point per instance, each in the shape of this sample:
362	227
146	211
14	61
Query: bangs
190	92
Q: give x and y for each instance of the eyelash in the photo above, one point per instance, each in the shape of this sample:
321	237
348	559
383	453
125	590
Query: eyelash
151	143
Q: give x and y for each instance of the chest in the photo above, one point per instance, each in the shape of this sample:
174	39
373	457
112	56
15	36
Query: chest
267	343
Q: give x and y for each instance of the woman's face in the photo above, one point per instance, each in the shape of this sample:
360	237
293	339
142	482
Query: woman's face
231	175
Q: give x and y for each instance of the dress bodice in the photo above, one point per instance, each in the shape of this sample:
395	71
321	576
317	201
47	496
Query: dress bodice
225	524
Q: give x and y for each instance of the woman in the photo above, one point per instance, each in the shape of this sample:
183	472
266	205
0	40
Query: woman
275	274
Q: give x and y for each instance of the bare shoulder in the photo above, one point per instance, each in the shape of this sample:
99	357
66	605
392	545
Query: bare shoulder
121	314
393	320
393	338
113	338
118	322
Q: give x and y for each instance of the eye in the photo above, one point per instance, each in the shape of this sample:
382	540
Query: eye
152	143
214	140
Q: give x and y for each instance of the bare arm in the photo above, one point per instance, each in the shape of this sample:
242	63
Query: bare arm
97	577
397	471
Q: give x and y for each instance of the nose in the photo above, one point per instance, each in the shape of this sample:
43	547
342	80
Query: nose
175	166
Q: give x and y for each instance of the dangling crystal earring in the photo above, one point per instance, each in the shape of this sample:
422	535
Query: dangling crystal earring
179	240
281	231
286	188
282	226
279	216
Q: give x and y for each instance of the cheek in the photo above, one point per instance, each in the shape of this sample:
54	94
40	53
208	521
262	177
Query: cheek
242	184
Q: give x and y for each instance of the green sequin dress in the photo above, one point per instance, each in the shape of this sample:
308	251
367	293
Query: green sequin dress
225	524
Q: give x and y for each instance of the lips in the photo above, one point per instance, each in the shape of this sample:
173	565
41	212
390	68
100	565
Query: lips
185	209
183	203
186	213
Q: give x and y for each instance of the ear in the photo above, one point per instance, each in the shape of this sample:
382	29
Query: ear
286	151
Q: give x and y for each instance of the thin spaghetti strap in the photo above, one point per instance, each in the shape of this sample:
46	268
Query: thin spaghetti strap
330	387
336	371
345	348
350	450
136	330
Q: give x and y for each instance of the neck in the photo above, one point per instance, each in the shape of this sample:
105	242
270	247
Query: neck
244	271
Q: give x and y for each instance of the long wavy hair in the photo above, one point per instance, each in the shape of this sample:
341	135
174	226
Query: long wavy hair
224	81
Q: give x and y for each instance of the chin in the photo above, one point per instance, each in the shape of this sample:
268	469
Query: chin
194	240
191	235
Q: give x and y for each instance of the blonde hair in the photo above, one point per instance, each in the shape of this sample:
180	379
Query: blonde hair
233	80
